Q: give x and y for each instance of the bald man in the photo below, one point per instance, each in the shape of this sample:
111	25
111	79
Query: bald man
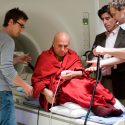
75	85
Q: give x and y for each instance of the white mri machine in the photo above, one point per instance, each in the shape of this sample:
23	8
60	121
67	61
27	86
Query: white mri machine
44	22
27	110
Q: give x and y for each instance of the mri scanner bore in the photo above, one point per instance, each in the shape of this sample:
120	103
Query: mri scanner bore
26	44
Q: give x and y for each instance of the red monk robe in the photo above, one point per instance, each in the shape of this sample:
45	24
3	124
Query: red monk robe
77	90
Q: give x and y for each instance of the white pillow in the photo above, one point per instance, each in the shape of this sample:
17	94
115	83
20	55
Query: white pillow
73	110
70	109
72	105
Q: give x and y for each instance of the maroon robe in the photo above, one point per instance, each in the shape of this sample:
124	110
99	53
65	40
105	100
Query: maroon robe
77	90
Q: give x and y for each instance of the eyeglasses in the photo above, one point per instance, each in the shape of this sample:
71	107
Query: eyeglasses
21	25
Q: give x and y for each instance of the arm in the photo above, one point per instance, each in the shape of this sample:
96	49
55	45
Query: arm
111	61
69	74
23	59
118	52
7	68
107	62
27	88
41	77
48	95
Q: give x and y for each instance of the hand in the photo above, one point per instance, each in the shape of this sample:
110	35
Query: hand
23	59
98	50
28	90
48	95
106	70
93	67
67	75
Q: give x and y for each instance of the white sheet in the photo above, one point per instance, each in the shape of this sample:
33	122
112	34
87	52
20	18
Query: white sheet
73	110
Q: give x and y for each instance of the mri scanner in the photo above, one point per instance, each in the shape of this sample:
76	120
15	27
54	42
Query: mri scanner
46	17
28	111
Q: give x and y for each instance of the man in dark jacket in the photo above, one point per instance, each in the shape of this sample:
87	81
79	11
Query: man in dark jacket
114	37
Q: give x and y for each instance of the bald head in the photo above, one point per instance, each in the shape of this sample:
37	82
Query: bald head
61	43
61	36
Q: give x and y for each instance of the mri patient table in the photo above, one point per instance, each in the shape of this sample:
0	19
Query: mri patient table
27	115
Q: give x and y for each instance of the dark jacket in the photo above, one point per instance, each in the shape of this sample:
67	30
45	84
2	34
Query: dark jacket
118	75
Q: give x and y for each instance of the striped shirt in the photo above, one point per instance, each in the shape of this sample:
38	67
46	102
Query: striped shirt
7	70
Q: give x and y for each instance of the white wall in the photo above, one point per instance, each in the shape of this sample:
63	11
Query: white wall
46	17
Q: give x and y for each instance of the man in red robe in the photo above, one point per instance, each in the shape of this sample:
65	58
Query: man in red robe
74	86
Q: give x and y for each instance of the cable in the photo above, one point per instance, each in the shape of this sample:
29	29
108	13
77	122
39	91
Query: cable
38	116
93	92
31	66
50	118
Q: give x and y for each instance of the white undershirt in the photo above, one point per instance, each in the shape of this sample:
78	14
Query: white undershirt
110	40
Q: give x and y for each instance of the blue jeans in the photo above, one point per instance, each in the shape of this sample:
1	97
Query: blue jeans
7	109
